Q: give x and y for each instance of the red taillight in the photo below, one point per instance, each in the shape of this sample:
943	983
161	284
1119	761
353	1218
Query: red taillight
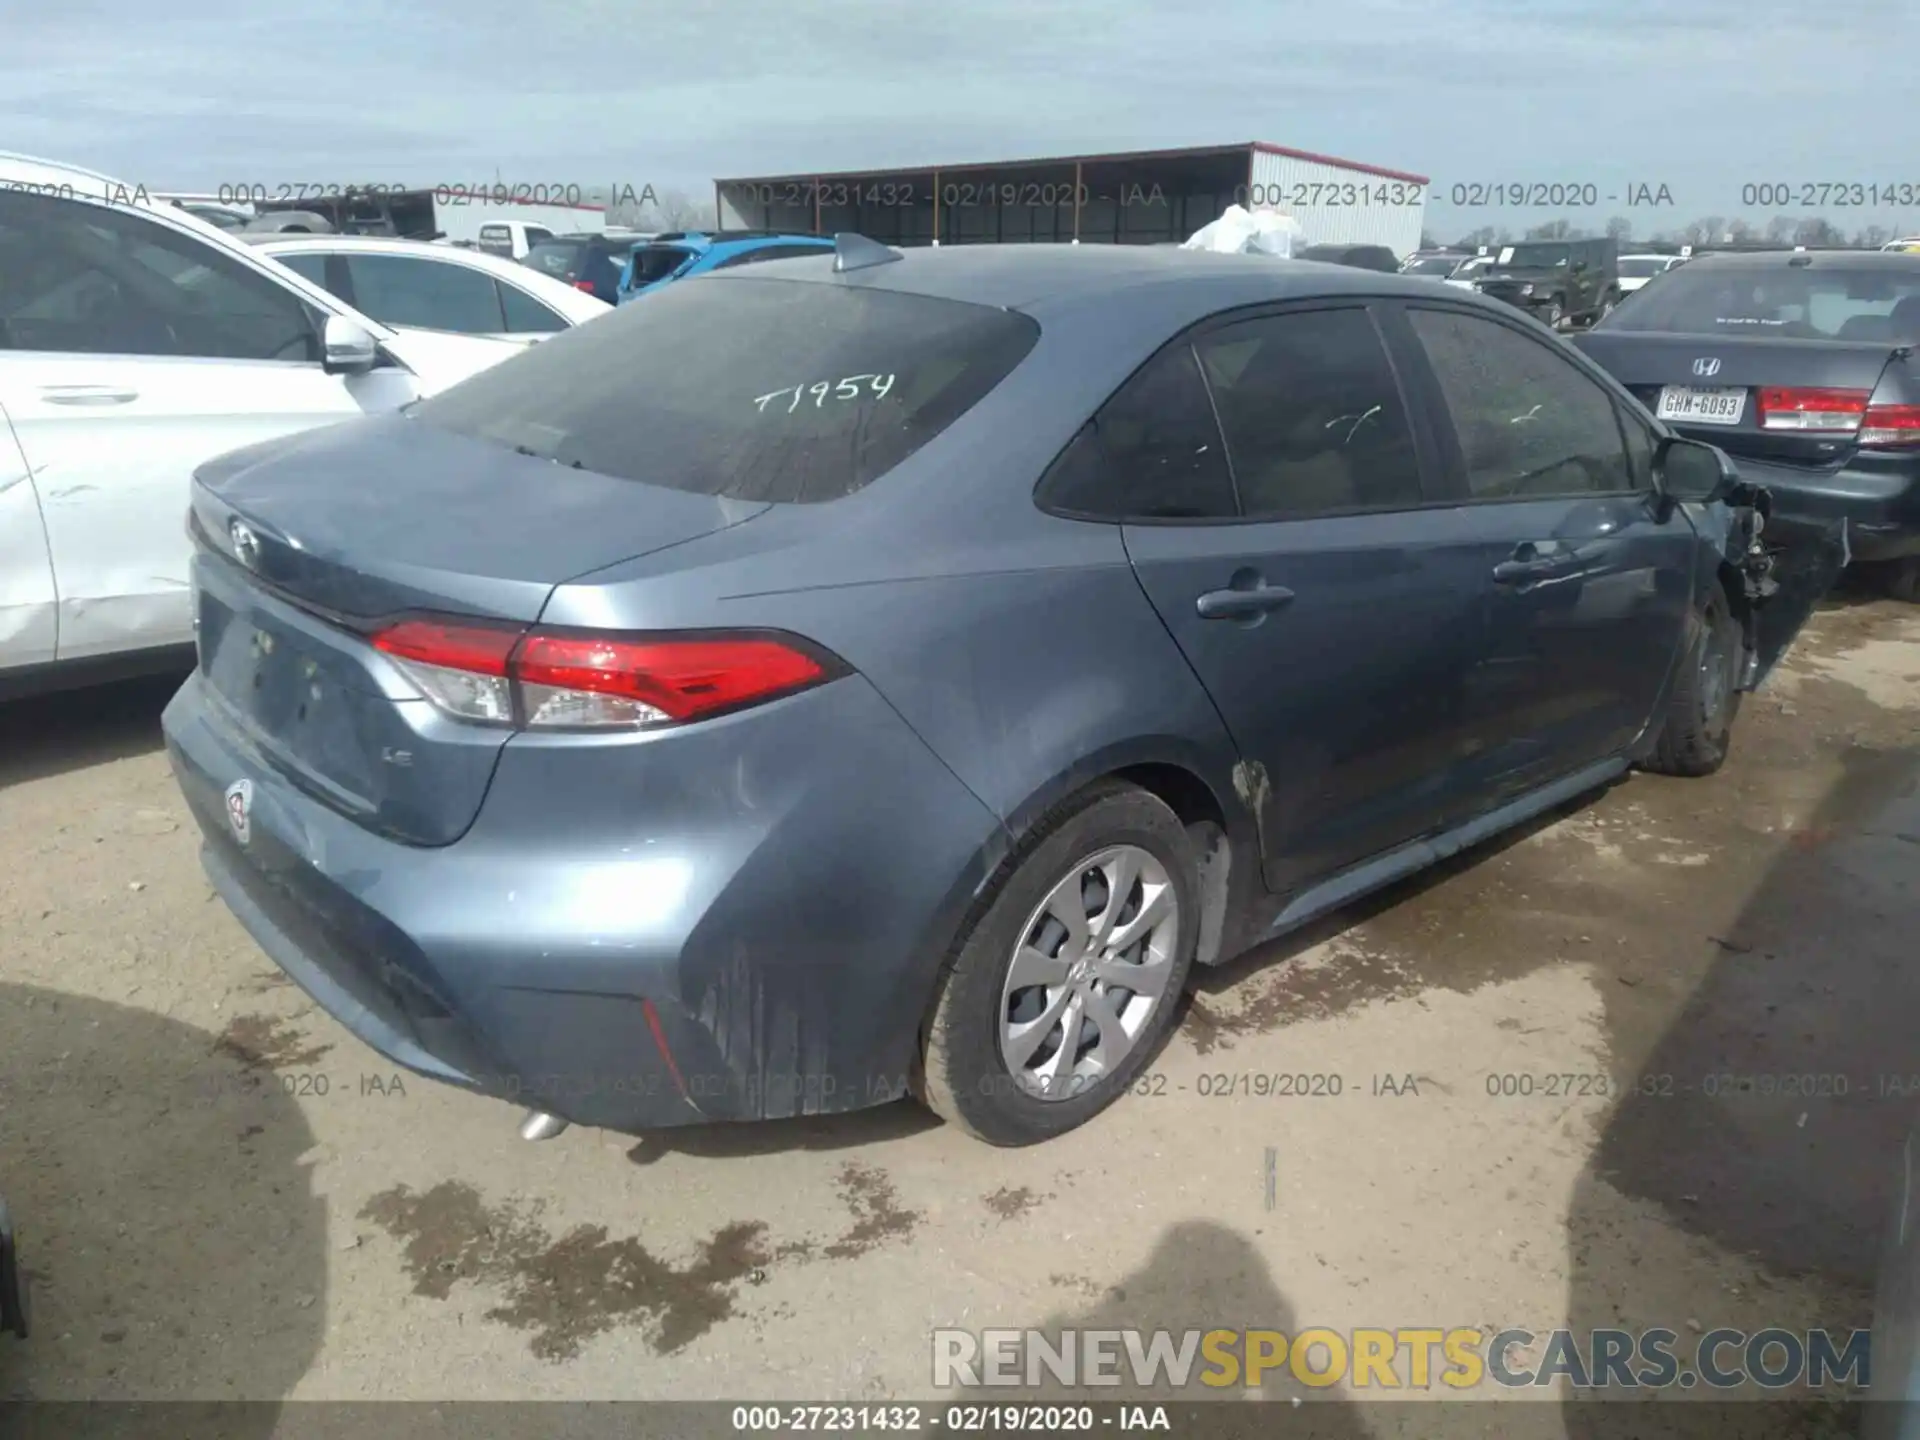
451	647
1891	426
1819	411
1791	407
586	285
545	679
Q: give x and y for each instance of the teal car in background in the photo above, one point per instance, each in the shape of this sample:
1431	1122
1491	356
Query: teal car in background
681	253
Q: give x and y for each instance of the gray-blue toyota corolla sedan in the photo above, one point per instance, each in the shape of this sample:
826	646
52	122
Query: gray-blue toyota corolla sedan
846	677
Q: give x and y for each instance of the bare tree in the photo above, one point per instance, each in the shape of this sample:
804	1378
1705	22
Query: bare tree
1817	231
1740	232
1620	228
663	210
1705	232
1428	241
1873	237
1780	229
1485	235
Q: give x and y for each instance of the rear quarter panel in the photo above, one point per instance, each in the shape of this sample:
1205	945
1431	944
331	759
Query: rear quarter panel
1018	645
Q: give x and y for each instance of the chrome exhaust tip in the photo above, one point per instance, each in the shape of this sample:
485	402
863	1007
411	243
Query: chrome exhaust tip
538	1125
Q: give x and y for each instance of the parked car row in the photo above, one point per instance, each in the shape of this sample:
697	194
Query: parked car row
1563	283
138	341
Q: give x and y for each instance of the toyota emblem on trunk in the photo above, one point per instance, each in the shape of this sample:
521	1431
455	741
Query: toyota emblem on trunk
246	544
240	809
1705	366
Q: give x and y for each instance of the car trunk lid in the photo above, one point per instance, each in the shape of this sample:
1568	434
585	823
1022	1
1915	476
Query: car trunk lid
307	545
1739	392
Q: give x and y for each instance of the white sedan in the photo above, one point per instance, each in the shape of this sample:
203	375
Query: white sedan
1637	270
136	342
416	285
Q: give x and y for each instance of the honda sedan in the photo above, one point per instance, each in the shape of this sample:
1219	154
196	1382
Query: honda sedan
845	677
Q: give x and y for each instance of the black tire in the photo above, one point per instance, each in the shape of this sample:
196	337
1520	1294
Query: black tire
963	1077
1697	730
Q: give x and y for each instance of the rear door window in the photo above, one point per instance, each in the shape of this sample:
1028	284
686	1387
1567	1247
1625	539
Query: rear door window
755	390
1530	424
311	266
404	290
528	316
558	258
1313	415
1153	452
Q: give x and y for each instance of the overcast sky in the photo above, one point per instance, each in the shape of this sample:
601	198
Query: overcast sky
1703	97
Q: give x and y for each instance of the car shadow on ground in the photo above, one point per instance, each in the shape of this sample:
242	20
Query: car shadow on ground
1212	980
739	1139
47	735
174	1246
1814	990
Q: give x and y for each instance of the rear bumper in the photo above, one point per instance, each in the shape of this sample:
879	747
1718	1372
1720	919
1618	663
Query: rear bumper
742	920
1881	506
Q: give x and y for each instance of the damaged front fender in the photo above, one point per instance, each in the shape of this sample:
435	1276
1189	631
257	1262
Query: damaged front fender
1773	574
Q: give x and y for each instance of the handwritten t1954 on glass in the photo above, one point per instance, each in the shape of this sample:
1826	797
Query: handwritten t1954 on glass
847	388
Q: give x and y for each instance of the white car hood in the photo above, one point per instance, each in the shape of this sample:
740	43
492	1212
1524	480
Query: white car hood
1630	283
439	359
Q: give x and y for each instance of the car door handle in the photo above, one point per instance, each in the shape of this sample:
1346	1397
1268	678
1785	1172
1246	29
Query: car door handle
1229	604
86	395
1529	562
1515	572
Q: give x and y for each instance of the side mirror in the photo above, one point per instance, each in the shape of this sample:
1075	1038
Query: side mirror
350	350
1693	470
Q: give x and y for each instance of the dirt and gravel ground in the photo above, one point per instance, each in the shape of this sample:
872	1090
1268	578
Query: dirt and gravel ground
223	1194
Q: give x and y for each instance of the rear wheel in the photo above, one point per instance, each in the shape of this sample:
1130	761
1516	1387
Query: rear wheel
1554	314
1067	982
1698	727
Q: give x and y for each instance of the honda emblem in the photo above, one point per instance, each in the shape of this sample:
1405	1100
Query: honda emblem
1706	366
240	809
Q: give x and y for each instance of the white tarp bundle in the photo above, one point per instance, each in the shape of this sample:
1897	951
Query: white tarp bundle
1249	232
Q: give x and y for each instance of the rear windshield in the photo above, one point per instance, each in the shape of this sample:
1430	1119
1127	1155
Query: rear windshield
1790	302
1434	265
745	387
555	257
656	262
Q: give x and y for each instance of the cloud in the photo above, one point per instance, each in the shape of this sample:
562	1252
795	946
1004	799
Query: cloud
206	92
